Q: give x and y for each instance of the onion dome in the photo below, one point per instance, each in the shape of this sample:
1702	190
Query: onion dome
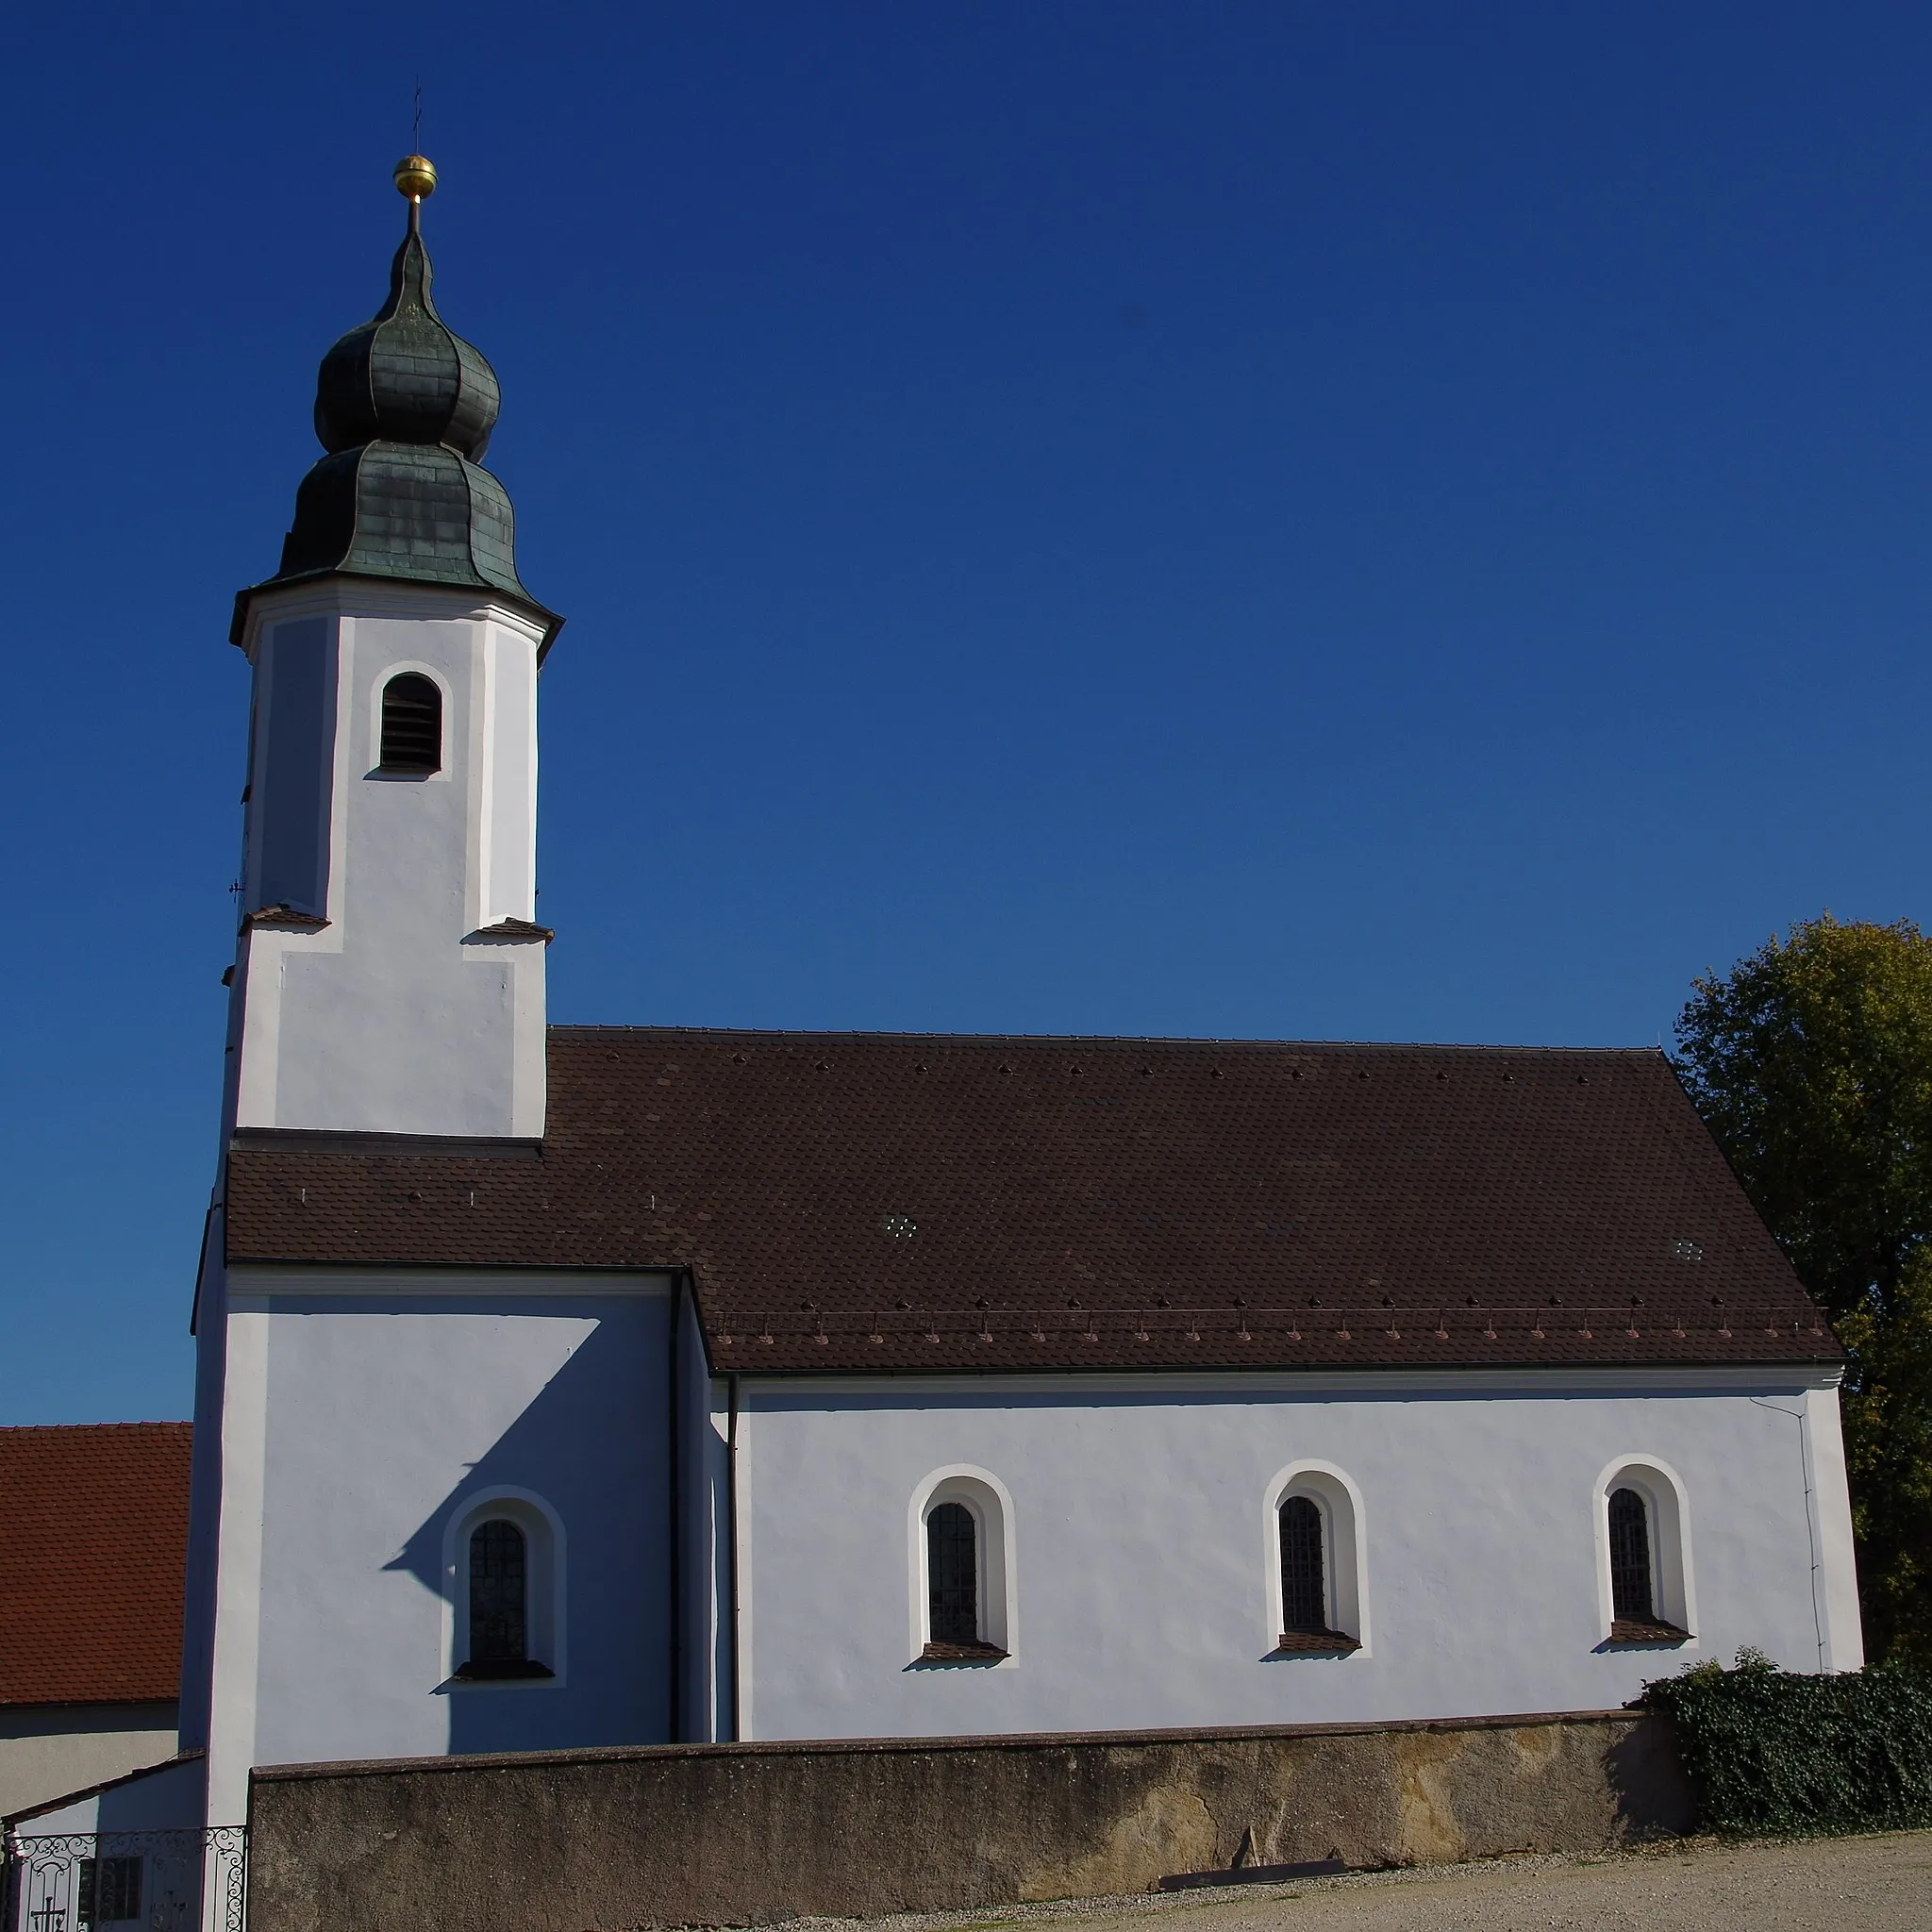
407	376
404	408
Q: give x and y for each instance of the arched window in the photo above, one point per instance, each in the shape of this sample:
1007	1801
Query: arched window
1632	1600
952	1572
962	1558
1317	1597
1643	1553
500	1604
1303	1575
411	725
499	1584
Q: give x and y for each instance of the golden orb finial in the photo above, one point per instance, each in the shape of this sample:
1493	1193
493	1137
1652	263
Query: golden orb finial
415	176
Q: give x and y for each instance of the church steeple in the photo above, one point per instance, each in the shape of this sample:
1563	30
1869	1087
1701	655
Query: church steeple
404	408
390	970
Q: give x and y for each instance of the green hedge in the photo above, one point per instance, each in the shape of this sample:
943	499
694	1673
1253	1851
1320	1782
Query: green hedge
1769	1751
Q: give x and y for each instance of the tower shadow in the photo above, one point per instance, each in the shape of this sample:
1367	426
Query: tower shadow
594	1448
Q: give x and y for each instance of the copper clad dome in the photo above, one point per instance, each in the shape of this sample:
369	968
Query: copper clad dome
405	375
404	408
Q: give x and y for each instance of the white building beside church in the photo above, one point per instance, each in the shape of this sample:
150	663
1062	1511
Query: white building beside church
569	1385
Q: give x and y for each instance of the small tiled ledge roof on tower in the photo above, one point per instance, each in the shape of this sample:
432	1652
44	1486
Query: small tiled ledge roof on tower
903	1203
404	408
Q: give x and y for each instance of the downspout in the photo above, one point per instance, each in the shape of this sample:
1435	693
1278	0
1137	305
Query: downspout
1802	1417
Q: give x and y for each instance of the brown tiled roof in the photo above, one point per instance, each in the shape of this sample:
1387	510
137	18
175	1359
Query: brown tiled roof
91	1573
892	1201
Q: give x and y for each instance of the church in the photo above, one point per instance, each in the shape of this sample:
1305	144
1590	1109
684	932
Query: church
567	1386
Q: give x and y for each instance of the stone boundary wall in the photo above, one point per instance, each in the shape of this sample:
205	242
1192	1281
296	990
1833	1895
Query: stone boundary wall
738	1834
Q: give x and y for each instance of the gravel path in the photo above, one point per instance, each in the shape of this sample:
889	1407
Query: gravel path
1879	1884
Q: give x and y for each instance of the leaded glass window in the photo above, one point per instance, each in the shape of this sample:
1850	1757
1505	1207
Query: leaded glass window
1304	1581
952	1569
1632	1599
411	725
499	1591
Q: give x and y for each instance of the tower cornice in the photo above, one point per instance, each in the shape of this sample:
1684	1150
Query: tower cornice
340	594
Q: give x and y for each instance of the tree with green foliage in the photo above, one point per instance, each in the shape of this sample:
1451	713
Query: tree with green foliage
1811	1063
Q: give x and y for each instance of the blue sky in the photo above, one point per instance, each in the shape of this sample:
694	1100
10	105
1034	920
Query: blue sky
1393	521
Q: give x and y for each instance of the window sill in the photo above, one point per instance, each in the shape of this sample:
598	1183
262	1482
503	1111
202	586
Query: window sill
962	1654
1633	1630
501	1671
1315	1643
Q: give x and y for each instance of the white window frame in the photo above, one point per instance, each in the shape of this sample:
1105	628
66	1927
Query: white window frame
987	1500
1667	1505
545	1621
1345	1558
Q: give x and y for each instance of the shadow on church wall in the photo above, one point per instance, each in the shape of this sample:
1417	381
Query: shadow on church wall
594	1445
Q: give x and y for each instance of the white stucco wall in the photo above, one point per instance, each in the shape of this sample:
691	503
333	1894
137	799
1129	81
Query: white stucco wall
367	1411
1141	1537
705	1669
211	1329
167	1797
393	1018
48	1751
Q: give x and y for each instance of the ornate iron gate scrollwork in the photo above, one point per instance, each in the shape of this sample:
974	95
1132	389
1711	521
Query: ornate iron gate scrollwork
153	1881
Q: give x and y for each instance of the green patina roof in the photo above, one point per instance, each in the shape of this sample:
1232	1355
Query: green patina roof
404	407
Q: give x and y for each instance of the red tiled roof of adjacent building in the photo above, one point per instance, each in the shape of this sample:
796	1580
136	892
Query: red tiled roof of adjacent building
875	1202
92	1563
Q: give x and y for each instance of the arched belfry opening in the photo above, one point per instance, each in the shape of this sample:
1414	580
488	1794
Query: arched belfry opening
411	725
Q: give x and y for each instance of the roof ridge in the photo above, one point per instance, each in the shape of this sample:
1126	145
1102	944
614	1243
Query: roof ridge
77	1428
1096	1040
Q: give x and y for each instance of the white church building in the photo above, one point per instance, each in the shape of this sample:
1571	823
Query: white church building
568	1386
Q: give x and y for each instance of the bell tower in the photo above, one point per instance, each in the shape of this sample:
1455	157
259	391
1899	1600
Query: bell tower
388	978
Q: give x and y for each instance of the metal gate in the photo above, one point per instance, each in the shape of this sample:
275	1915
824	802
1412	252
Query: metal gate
126	1881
